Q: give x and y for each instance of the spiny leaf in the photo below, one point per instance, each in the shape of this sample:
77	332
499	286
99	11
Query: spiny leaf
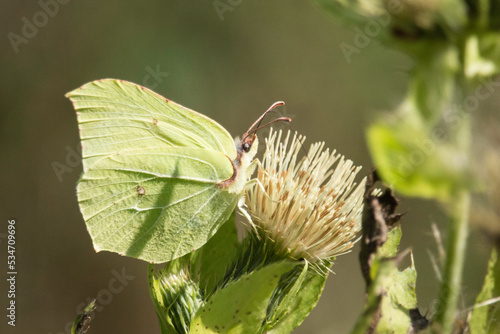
211	261
390	292
240	307
485	317
302	298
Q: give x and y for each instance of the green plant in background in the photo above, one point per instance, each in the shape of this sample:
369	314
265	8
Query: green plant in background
423	148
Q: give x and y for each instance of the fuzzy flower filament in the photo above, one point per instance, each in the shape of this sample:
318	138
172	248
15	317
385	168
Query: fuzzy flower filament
310	208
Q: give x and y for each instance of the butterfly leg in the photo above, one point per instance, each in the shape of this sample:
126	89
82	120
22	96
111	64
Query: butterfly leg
250	183
242	209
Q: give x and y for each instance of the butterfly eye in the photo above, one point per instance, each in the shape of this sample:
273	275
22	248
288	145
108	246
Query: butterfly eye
246	147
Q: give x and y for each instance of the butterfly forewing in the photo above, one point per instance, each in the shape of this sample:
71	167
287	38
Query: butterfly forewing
116	114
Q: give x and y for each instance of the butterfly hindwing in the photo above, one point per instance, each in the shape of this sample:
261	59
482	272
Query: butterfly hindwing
155	205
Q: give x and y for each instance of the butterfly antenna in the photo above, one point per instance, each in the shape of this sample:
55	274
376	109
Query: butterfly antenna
280	119
287	123
301	149
259	120
257	124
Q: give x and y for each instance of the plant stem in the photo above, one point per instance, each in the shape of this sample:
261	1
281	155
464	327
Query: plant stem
455	257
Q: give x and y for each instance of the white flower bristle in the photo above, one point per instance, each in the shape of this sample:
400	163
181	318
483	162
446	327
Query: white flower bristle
311	207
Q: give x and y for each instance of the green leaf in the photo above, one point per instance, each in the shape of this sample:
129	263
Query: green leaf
240	307
368	317
390	247
482	56
414	163
177	289
433	79
391	294
400	299
212	260
299	301
396	287
484	318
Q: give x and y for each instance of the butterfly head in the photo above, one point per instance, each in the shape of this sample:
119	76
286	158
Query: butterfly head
248	145
246	148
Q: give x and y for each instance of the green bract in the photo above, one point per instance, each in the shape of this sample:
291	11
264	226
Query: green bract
240	307
151	186
484	317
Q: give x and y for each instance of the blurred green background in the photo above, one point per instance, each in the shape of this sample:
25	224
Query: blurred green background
229	67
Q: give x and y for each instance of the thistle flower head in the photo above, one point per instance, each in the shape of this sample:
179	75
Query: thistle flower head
310	208
175	295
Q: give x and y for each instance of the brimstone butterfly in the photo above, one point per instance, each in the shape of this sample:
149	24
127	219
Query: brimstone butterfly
158	179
